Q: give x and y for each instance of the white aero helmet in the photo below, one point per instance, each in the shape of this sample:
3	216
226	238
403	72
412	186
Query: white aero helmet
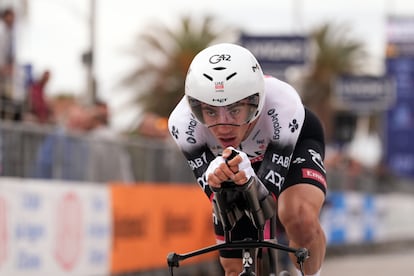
221	79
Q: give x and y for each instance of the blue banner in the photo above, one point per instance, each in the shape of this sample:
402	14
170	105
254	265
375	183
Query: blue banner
351	218
400	118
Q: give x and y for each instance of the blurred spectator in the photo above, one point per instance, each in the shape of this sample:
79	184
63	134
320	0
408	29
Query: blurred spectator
7	56
1	154
364	153
38	108
152	125
60	105
108	160
9	109
64	153
101	114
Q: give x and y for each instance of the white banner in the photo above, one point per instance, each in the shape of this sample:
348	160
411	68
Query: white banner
357	218
397	216
54	228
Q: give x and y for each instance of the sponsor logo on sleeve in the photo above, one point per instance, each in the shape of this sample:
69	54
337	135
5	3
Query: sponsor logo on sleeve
174	132
299	160
275	178
293	125
190	131
281	160
198	162
317	159
315	175
275	122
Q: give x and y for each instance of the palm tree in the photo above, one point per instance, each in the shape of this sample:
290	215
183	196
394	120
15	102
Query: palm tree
164	56
336	53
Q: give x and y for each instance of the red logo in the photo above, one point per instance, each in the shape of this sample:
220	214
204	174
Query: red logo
68	231
315	175
3	230
257	159
219	86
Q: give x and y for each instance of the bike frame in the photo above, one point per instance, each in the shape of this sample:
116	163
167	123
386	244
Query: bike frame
229	215
251	265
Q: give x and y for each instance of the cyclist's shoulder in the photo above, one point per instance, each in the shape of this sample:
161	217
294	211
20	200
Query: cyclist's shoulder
180	110
282	98
279	90
283	112
184	128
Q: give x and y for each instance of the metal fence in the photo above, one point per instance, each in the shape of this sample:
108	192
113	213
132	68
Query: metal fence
33	151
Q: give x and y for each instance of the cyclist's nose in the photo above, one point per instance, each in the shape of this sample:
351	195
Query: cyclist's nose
224	116
224	129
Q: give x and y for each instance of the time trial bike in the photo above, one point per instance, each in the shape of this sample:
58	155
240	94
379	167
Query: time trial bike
229	212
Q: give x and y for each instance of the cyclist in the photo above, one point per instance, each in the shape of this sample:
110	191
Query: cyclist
230	105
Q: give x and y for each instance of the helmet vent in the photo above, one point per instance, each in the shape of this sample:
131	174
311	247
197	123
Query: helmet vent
208	77
231	75
219	68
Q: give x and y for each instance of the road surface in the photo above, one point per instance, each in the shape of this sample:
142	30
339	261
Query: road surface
400	262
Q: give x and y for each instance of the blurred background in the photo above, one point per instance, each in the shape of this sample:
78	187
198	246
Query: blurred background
86	87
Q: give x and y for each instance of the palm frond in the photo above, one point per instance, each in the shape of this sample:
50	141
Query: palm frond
163	56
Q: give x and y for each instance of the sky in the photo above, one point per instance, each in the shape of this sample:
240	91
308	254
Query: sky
54	33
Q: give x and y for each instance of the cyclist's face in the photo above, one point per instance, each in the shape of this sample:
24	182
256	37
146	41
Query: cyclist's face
231	135
235	114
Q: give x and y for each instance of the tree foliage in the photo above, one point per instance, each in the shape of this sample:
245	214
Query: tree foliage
335	53
164	54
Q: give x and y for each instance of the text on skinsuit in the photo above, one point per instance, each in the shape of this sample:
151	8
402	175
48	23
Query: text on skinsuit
198	162
315	175
276	125
202	181
284	161
190	131
275	178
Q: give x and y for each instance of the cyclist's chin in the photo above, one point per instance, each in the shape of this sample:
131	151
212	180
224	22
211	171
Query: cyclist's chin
229	142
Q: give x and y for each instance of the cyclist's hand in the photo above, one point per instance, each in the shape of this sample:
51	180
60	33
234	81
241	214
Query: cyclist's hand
218	172
240	165
238	169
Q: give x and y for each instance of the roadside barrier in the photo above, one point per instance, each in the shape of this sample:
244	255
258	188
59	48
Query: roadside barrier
52	227
73	228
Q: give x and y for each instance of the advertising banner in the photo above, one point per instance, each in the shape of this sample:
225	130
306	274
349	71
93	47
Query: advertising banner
400	118
352	218
53	228
61	229
360	218
151	221
365	94
277	53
